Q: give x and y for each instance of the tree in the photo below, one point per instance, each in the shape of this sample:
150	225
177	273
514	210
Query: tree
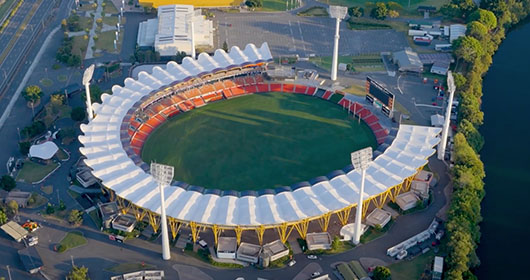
3	217
78	273
50	209
381	273
393	14
477	30
254	3
24	147
12	207
460	80
485	17
356	11
95	94
450	11
380	11
75	217
466	6
394	6
32	93
225	46
467	48
335	243
78	114
7	183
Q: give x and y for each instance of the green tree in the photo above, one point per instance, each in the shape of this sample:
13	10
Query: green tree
225	46
95	94
3	217
381	273
477	30
460	80
78	114
335	243
32	93
355	11
7	183
24	147
485	17
75	217
254	3
78	273
473	136
450	11
467	48
380	11
50	209
12	207
393	14
465	6
394	6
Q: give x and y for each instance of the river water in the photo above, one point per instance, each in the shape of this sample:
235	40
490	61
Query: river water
504	250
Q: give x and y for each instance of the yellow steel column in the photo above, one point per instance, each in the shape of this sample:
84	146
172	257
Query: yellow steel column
173	226
154	220
302	227
238	231
259	231
323	221
344	215
365	207
194	231
121	204
216	231
139	213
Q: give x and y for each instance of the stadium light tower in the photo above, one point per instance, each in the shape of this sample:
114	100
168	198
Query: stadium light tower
163	175
338	13
445	130
87	76
360	159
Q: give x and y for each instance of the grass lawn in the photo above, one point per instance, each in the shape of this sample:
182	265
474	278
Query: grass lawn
404	3
112	21
51	113
61	155
71	240
33	172
85	22
355	89
105	41
36	200
129	267
324	62
46	82
62	78
294	137
272	5
109	7
373	233
412	269
79	46
314	12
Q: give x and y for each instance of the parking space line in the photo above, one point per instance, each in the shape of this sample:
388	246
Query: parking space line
292	37
302	38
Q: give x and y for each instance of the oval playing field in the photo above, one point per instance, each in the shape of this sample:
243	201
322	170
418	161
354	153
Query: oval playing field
258	141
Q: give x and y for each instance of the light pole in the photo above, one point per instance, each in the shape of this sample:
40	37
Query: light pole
445	130
87	76
360	159
163	175
338	13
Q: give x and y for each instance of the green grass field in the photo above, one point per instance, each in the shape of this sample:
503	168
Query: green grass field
257	141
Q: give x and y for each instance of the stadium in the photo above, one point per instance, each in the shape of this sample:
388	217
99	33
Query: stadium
126	121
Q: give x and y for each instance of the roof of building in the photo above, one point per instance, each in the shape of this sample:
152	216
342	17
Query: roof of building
407	60
424	175
318	238
456	31
274	247
14	230
124	220
406	199
45	150
249	249
437	120
430	58
30	258
227	244
440	67
108	209
378	216
110	162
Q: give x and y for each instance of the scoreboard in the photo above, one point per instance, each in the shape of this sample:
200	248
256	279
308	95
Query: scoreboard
379	96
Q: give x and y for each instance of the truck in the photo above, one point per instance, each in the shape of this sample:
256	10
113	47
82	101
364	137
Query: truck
423	40
413	32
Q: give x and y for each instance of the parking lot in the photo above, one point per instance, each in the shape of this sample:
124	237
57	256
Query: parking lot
289	34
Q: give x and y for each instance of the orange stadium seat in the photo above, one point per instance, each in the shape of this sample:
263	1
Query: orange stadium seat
157	108
249	80
237	91
207	88
288	87
146	129
250	89
154	122
160	118
183	107
258	78
198	101
137	143
212	97
276	87
219	85
140	137
227	93
134	124
194	92
263	87
300	89
176	99
229	83
189	104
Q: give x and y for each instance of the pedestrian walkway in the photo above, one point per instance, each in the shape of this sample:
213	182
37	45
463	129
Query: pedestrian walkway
97	15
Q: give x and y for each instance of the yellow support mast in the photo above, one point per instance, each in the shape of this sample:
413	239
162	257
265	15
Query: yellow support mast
216	232
194	231
302	227
154	220
284	231
238	231
174	226
139	213
344	215
259	232
323	221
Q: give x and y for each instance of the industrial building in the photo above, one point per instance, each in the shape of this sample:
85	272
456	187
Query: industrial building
226	247
31	259
124	223
318	241
407	200
177	28
378	217
14	230
407	61
273	251
248	252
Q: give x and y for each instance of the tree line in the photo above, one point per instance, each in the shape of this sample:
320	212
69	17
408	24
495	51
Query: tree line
486	28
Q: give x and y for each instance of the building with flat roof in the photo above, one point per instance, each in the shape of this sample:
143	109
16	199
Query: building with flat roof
31	259
274	250
108	212
424	176
226	247
20	197
407	200
420	188
14	230
318	241
378	217
407	61
437	268
124	223
178	28
248	252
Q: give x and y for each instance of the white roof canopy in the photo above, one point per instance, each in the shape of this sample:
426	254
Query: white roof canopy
45	150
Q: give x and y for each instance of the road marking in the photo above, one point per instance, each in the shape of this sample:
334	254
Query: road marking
292	37
302	38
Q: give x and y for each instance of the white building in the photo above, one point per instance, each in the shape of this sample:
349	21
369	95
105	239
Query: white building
172	30
227	248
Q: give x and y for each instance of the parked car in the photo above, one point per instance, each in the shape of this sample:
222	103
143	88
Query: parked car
315	274
401	255
291	263
312	257
32	240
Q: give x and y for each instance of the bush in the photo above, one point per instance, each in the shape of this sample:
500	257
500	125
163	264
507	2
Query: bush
78	114
3	217
50	209
356	11
36	128
381	273
32	93
24	147
7	183
380	11
75	217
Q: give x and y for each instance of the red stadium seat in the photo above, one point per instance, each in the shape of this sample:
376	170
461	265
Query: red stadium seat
300	89
276	87
237	91
344	102
311	90
375	127
288	88
364	113
380	133
327	95
263	87
371	119
240	81
249	80
356	107
250	89
258	78
137	150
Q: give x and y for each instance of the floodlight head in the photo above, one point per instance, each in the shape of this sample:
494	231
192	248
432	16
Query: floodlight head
87	76
361	158
450	82
337	11
163	174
